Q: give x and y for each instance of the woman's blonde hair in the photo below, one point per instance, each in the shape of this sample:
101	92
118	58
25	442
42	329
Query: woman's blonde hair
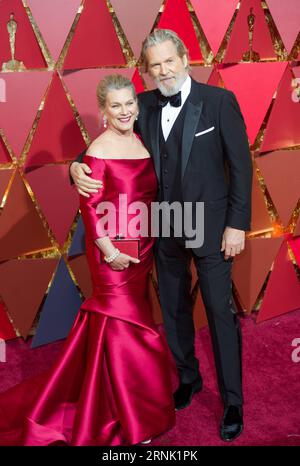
110	83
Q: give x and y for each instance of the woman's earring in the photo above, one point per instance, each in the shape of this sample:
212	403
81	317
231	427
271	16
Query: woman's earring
137	116
105	122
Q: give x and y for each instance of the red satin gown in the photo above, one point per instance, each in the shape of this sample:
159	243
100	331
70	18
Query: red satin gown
111	384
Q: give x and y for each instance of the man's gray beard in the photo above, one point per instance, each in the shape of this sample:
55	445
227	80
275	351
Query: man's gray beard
172	91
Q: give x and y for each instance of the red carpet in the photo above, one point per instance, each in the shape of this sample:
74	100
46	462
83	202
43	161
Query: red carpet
271	385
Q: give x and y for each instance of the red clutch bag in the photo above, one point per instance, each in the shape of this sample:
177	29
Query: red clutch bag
129	246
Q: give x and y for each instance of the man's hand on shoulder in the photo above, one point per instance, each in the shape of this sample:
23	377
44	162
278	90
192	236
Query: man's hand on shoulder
233	242
80	172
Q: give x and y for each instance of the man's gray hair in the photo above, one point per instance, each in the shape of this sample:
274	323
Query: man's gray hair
158	36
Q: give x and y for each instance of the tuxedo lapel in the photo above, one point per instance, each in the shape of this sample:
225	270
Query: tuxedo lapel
154	126
193	112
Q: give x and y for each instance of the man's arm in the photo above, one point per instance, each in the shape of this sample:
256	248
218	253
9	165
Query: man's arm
236	149
77	160
79	174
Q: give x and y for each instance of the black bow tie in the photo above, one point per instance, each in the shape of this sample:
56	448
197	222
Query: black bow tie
175	100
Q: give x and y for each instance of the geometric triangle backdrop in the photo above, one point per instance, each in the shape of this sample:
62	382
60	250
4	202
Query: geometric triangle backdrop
176	17
282	131
146	12
27	48
286	19
95	42
214	26
59	310
283	289
59	205
243	76
49	114
24	93
62	140
21	228
58	16
23	284
239	39
276	167
250	269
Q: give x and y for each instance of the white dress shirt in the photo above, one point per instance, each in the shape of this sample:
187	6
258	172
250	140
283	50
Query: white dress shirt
170	113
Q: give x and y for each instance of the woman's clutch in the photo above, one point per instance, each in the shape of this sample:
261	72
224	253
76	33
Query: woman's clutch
129	246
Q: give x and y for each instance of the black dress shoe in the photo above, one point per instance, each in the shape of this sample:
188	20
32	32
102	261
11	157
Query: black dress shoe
232	423
184	393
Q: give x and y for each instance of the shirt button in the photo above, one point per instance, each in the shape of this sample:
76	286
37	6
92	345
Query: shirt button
165	171
166	186
165	156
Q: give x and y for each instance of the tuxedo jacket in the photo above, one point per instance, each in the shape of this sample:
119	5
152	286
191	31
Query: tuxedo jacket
216	166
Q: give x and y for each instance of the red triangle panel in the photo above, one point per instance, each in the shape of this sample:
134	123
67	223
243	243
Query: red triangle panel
58	204
95	42
282	294
21	229
176	16
57	136
31	278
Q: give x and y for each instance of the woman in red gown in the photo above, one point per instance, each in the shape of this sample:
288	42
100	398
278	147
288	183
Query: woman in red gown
111	384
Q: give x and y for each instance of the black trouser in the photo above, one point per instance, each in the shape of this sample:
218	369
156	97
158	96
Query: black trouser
173	262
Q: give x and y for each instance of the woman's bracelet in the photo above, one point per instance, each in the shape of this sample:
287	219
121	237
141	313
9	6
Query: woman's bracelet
113	256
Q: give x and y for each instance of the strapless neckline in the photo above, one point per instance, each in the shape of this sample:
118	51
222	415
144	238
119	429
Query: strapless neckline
102	158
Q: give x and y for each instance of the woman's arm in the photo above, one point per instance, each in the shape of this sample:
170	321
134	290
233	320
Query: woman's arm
88	205
92	222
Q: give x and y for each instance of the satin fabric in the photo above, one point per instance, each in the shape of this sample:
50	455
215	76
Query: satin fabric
111	384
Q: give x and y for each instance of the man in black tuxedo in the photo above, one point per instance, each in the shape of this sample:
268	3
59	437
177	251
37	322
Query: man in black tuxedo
196	135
